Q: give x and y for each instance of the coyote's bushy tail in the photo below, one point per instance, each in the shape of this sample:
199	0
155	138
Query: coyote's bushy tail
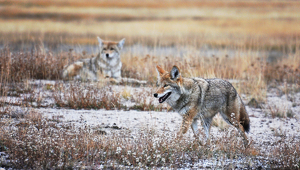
64	74
72	70
244	119
131	81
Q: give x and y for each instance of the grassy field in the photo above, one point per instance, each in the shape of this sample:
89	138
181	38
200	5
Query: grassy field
272	24
245	34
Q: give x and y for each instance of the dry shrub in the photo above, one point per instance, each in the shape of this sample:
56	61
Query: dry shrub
4	110
281	111
36	142
286	153
40	143
286	69
252	72
77	95
150	3
247	69
34	64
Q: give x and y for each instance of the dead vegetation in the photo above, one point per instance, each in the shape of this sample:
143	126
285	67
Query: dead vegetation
36	142
84	96
33	141
29	50
247	67
215	23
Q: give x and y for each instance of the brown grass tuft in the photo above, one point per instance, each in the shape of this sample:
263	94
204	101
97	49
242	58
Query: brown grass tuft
40	143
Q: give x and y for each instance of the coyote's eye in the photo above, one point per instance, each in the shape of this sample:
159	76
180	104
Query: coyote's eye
166	85
111	48
104	49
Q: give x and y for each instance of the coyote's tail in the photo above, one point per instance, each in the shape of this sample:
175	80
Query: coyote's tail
244	119
131	81
64	74
72	70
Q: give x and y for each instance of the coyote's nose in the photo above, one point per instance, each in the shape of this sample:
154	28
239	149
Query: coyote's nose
107	55
155	94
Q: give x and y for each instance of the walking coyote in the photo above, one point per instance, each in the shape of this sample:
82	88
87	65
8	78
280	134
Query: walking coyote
107	64
197	98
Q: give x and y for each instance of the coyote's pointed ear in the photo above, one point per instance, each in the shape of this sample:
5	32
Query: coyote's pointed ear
175	73
121	43
160	71
100	42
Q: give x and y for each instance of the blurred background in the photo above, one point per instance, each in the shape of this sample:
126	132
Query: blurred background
268	24
256	42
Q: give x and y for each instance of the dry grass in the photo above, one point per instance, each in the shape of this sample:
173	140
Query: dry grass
244	68
152	4
36	142
252	70
86	96
216	23
290	11
287	69
34	29
35	64
213	32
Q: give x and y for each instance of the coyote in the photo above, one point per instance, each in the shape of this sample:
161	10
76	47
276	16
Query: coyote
107	64
198	98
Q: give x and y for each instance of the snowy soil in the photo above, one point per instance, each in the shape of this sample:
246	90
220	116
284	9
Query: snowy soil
265	131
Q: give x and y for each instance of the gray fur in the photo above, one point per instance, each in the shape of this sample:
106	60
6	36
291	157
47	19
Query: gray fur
121	43
97	67
107	64
213	96
175	73
198	98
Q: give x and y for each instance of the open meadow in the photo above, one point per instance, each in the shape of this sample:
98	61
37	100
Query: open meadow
49	123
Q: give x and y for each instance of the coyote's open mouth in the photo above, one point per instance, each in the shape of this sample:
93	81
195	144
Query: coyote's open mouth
164	98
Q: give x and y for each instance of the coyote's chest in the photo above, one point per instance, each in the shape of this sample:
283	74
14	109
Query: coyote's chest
110	68
181	105
106	64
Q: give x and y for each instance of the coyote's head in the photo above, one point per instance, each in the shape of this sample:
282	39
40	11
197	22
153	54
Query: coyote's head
110	50
170	84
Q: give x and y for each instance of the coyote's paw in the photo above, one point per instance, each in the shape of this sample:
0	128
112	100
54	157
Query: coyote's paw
247	143
113	81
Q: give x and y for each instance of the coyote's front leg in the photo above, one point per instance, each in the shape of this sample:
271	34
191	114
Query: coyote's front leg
187	120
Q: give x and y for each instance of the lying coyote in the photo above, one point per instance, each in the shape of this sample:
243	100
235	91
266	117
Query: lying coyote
107	64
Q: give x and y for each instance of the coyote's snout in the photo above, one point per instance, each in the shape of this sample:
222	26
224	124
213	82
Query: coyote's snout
107	64
163	97
197	98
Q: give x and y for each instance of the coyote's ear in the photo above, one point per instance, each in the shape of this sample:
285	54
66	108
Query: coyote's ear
160	71
100	42
175	73
121	43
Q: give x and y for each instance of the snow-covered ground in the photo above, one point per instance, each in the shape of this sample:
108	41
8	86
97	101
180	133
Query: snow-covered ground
265	131
262	128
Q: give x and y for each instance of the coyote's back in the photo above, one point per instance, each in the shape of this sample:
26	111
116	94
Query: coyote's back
107	64
197	98
222	93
